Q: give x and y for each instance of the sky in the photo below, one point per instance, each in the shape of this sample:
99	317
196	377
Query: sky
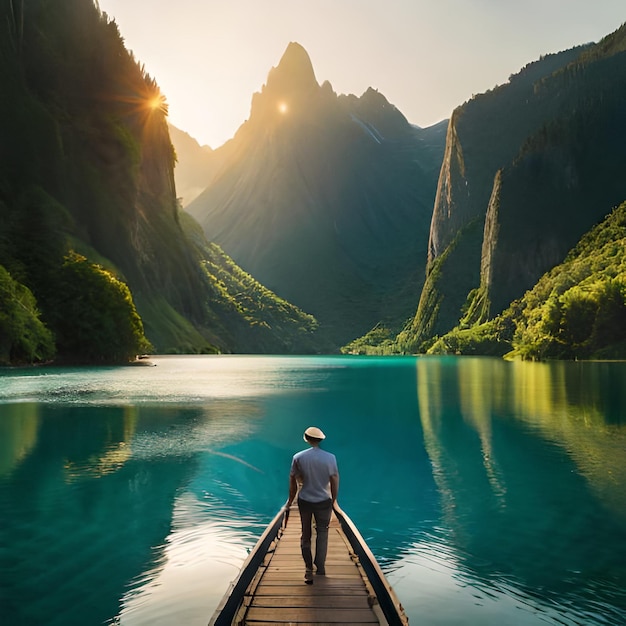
425	56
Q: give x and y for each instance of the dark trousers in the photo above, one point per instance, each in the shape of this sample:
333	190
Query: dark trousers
322	512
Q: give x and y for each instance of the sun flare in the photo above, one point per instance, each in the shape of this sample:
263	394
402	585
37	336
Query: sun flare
158	103
282	108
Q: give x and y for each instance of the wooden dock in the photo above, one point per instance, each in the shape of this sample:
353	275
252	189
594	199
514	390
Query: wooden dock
275	591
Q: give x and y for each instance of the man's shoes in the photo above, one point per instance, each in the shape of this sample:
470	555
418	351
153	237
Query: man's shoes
308	576
320	571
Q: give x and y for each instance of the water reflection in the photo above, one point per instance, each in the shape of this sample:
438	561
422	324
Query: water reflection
582	408
80	518
19	428
531	476
113	444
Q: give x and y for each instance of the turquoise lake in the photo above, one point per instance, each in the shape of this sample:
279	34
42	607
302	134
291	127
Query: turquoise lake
490	492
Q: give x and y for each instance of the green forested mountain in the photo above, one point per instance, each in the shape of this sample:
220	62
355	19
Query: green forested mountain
327	199
577	310
529	167
96	258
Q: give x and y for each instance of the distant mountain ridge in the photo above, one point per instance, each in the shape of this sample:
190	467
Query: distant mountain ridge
327	199
195	165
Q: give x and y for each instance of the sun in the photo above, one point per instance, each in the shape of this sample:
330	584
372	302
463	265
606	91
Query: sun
158	103
282	108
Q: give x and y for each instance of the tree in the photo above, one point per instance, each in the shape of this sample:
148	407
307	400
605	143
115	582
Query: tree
96	319
578	316
610	321
23	337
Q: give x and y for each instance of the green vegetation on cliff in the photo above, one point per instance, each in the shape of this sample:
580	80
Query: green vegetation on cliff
577	310
247	313
485	134
23	337
443	297
94	315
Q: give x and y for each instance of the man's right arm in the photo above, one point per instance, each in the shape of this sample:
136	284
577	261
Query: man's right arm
293	489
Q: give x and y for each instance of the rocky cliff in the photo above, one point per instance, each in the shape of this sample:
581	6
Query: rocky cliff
522	165
567	177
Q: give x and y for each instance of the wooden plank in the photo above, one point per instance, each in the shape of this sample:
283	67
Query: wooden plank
298	579
339	571
338	602
297	615
253	623
305	590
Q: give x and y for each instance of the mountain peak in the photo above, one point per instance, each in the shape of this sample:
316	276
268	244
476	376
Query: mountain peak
291	87
294	71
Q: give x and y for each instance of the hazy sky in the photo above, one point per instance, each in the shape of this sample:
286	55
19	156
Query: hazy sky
425	56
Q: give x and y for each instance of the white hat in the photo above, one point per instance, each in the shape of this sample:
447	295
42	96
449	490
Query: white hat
312	432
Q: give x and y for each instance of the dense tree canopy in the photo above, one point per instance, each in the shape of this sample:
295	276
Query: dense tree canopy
23	337
578	310
95	317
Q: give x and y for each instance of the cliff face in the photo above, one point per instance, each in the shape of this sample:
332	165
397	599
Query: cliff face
485	134
95	129
516	173
326	199
86	165
566	179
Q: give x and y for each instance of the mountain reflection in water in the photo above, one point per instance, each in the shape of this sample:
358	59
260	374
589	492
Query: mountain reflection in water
491	492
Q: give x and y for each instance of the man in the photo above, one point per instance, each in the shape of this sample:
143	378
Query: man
316	472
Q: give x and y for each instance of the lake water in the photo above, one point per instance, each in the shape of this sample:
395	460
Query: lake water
490	492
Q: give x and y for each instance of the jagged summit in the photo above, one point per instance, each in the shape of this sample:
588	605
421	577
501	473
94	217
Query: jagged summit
291	86
294	72
379	113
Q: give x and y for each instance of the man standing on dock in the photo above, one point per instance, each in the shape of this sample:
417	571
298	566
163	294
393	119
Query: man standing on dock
315	470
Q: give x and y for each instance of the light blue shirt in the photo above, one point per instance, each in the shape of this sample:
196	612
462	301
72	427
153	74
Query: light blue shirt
314	467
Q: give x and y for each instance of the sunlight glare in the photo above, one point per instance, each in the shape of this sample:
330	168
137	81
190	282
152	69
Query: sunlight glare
282	108
158	103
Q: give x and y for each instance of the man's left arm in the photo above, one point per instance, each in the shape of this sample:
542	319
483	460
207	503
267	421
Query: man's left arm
334	486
